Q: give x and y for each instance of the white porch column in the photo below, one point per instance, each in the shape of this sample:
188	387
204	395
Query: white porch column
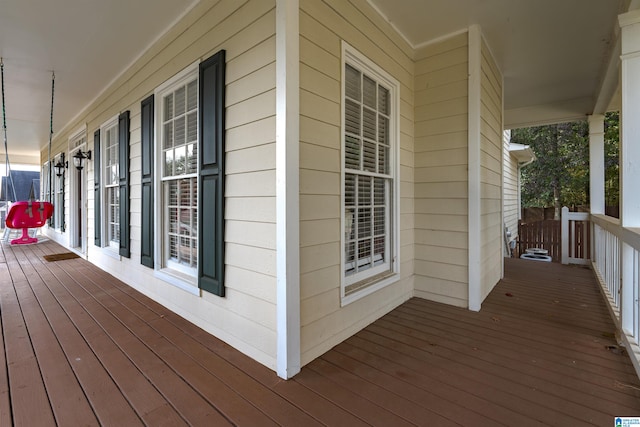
629	155
596	163
630	120
287	188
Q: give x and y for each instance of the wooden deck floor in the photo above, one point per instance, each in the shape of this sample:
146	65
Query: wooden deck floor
82	348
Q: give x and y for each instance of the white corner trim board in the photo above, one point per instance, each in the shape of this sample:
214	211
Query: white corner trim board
475	63
287	188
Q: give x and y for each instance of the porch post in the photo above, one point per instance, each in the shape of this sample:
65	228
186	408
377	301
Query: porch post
564	232
596	163
287	189
629	156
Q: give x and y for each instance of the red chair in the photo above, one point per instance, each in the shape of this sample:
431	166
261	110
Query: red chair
28	215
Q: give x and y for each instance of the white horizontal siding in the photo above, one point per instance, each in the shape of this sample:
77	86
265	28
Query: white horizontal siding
323	25
510	188
441	163
433	168
491	152
245	318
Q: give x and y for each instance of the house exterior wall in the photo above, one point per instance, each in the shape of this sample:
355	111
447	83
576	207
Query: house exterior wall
491	151
441	176
432	169
511	203
323	25
245	317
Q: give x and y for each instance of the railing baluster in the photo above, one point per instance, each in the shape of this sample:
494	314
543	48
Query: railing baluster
636	307
607	262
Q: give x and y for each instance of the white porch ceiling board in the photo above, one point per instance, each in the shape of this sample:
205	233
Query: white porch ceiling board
551	52
86	42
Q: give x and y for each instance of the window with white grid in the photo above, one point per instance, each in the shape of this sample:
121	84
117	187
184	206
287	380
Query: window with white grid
111	180
179	169
46	179
368	174
58	203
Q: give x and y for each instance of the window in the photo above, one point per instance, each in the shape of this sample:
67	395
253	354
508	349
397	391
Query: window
46	181
178	150
188	149
370	190
58	202
47	188
77	191
110	181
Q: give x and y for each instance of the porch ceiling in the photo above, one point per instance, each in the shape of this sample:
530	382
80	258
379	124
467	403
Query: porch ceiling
554	53
86	42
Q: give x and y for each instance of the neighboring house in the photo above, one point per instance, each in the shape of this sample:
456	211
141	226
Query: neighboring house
25	185
346	176
515	157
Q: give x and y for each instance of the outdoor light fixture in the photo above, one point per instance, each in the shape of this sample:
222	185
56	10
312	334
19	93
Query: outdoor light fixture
79	157
60	165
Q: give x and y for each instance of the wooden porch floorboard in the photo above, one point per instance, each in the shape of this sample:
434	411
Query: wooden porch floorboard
82	348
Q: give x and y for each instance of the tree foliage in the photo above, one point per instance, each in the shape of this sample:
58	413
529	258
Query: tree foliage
611	159
560	175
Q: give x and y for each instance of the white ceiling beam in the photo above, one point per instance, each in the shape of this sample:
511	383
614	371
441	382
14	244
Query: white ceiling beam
547	114
19	159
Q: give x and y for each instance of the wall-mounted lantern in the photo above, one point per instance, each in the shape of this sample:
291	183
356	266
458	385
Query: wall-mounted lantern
60	165
78	158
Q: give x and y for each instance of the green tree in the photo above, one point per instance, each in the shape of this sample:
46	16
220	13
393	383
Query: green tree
611	158
560	175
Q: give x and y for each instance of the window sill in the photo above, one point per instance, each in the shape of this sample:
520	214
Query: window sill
186	283
111	252
369	286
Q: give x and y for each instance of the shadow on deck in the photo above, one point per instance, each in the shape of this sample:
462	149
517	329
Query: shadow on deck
82	348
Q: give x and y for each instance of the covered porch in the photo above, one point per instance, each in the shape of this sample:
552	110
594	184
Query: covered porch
82	348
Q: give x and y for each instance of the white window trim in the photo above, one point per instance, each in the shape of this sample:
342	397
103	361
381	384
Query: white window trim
44	186
176	278
58	191
352	56
110	248
78	134
77	141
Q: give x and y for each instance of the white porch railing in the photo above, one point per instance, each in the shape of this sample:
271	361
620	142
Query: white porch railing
607	233
575	237
616	264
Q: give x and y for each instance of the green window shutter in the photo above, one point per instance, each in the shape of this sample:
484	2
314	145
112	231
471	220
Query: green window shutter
123	168
62	219
50	221
211	175
146	246
97	207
